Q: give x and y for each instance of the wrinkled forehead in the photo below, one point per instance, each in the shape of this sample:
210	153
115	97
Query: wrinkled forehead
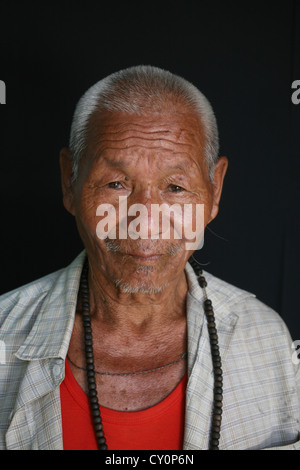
179	132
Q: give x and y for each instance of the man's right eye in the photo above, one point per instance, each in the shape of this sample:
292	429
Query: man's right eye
115	185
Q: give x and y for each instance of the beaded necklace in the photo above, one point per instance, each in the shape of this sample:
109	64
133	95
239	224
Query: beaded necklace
90	369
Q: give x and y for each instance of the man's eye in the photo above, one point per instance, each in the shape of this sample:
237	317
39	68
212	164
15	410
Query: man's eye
175	188
115	185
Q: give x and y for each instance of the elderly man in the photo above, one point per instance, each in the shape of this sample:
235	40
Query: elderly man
132	346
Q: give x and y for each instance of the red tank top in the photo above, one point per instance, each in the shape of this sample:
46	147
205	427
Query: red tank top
159	427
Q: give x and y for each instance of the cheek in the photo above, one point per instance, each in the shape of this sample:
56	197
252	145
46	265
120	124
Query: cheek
85	213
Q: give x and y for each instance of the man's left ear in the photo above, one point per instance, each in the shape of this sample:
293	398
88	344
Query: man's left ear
219	174
66	168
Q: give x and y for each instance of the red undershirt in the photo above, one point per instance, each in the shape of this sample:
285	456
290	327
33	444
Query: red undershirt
159	427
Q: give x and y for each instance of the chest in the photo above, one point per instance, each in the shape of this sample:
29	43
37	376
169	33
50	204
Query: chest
133	392
130	375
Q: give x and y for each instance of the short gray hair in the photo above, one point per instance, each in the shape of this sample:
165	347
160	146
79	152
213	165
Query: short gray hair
138	90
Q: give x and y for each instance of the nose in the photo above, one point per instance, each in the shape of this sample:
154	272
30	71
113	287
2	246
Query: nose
140	206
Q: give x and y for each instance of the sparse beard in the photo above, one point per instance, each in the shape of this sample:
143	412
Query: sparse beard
142	288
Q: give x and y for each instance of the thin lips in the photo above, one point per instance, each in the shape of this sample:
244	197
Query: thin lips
144	255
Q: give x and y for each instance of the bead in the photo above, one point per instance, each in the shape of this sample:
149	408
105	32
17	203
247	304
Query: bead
94	399
215	350
103	447
218	397
216	422
101	440
195	266
97	419
202	281
99	429
209	317
216	360
217	364
207	302
95	413
208	309
215	443
214	337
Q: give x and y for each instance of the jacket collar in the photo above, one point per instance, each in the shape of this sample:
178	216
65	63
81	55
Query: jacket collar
51	332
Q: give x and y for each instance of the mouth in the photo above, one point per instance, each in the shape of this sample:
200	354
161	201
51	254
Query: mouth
145	257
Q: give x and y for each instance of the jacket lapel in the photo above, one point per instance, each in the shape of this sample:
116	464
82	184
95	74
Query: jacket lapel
35	422
199	394
36	417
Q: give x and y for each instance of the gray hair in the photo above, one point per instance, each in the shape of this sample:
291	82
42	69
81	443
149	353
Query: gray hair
136	90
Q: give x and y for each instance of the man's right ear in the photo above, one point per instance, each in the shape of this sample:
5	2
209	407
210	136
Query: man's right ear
66	168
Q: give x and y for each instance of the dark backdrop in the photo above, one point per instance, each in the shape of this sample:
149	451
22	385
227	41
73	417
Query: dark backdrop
243	55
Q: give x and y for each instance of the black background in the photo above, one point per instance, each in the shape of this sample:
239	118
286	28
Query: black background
243	56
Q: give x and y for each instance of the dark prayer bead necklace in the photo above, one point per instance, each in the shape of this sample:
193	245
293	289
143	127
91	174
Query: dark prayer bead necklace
90	369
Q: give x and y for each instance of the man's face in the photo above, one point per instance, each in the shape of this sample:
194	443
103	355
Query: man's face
157	159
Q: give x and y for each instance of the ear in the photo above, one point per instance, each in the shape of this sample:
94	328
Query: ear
219	175
66	168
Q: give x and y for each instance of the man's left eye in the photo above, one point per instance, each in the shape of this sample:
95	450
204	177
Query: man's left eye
115	185
175	188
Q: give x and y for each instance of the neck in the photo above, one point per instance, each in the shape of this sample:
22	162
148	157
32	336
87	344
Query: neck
135	312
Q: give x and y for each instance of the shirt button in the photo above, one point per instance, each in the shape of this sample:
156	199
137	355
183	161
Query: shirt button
56	370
